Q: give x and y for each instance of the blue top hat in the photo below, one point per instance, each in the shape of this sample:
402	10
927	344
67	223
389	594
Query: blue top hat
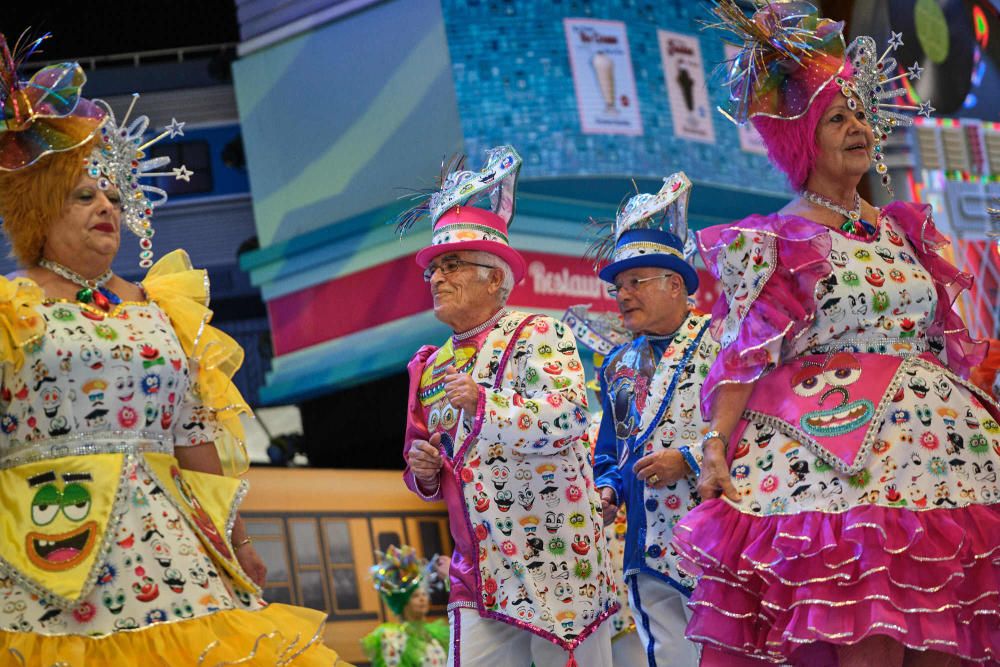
650	247
651	230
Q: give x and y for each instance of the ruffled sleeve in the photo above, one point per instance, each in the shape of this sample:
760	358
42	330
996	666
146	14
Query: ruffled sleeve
20	322
182	292
768	267
960	352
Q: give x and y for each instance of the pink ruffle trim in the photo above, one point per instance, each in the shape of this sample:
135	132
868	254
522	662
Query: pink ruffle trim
770	586
962	352
783	306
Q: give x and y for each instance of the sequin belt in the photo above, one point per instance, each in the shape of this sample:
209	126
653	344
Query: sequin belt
86	444
896	346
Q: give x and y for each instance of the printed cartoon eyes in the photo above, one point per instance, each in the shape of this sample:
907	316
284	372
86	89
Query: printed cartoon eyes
45	505
841	370
74	501
808	381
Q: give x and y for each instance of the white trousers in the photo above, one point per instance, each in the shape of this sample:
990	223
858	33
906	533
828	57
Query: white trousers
661	617
483	642
628	651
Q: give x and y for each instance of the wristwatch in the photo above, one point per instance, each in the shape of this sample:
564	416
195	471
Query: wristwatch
711	435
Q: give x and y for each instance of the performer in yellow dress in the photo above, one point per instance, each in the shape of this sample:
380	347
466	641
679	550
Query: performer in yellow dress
121	541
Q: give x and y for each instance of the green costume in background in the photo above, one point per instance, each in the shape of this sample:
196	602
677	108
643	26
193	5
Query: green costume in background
415	642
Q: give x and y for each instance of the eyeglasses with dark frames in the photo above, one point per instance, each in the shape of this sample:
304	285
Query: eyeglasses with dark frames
450	265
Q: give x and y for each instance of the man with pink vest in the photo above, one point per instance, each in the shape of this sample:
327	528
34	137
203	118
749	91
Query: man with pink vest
494	425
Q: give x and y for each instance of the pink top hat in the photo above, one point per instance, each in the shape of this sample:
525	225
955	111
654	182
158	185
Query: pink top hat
471	228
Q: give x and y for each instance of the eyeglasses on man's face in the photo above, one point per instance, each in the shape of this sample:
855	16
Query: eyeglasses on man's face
633	284
449	265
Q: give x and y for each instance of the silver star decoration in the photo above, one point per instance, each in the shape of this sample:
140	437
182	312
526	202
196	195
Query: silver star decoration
175	129
915	70
896	40
926	109
182	173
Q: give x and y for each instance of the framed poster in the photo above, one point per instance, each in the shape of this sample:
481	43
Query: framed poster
684	73
603	78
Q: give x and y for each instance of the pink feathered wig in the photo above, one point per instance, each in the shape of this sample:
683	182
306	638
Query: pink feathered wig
791	144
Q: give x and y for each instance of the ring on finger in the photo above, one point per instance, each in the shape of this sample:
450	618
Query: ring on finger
653	479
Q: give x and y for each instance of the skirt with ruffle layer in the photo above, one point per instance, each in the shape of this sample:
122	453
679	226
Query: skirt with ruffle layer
275	635
784	588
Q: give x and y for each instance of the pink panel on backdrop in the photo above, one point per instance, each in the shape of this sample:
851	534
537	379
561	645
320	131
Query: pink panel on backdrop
394	290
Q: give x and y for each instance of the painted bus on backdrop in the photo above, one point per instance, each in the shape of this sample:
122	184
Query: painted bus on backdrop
317	531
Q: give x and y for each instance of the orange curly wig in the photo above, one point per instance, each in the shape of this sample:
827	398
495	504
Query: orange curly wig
32	197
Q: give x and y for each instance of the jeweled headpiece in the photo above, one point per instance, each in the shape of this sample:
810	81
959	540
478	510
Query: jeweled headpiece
455	211
44	114
650	230
119	160
869	88
397	575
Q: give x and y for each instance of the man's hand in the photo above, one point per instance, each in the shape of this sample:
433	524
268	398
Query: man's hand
461	390
425	460
715	479
608	507
661	468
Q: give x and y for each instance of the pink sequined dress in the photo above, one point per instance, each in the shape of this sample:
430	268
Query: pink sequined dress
866	463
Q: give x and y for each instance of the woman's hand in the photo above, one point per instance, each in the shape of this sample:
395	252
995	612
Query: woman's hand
715	479
251	563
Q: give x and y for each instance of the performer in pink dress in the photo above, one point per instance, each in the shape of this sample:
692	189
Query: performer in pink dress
858	522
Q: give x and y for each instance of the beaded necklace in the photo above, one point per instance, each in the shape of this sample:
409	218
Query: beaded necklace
853	224
92	291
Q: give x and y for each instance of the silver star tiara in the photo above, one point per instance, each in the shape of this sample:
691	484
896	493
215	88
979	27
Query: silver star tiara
119	160
870	85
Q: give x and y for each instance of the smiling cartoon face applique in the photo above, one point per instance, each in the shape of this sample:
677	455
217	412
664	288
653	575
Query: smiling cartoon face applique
833	403
61	509
54	508
830	382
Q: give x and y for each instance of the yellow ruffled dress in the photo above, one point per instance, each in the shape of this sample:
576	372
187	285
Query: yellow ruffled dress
110	553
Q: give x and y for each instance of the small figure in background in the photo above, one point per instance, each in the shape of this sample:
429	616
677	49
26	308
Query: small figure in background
402	579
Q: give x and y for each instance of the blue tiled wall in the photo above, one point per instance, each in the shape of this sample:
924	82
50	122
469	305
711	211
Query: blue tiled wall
514	85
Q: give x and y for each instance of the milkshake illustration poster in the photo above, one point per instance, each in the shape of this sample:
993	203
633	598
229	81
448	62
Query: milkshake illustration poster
750	140
684	72
603	78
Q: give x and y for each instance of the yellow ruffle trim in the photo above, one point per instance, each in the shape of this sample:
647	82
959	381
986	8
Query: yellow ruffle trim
20	322
276	635
182	292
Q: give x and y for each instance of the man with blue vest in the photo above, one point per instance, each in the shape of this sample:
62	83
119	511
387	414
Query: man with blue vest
649	444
